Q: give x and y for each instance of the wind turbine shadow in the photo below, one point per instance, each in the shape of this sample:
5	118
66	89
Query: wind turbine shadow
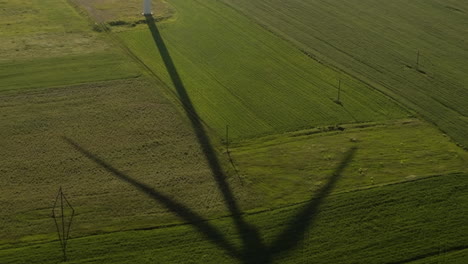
306	217
254	250
211	233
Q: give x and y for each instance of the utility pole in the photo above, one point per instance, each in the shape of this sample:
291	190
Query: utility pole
64	231
417	61
339	91
227	138
338	97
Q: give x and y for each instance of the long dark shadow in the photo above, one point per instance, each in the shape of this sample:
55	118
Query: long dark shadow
253	251
295	230
213	234
250	236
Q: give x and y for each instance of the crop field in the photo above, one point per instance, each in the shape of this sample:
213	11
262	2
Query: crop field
122	12
288	167
126	124
378	42
46	43
222	131
229	65
377	225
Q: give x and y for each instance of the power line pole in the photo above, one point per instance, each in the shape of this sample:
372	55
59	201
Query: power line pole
227	138
339	91
417	61
64	231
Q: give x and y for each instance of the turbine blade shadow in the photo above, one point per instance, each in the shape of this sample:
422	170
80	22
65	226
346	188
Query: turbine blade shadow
295	230
210	232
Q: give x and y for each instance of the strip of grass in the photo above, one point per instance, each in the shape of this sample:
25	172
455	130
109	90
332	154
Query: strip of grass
45	28
123	11
285	168
56	71
378	41
47	43
38	16
379	225
238	74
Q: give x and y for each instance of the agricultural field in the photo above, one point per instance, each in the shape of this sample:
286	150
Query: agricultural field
286	168
376	225
222	131
122	13
378	43
47	43
229	66
129	126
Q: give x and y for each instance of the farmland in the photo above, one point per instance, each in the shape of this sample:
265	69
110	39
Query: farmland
288	167
46	43
229	65
378	225
122	13
129	114
378	43
125	123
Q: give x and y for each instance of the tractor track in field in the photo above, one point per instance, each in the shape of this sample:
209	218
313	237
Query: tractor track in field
429	255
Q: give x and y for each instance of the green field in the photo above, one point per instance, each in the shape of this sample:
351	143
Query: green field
388	224
229	65
58	71
129	125
286	168
122	13
128	115
378	41
47	43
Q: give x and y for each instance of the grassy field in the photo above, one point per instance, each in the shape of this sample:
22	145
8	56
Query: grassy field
57	71
378	225
378	41
47	43
286	168
130	121
127	124
45	28
235	73
122	12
